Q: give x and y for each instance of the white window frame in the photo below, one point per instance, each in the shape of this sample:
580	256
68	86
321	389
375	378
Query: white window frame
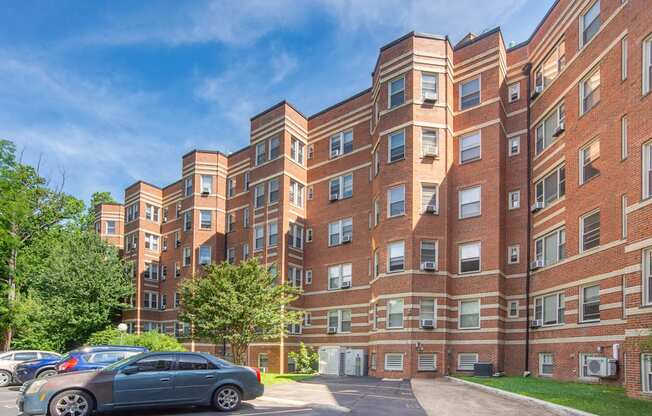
582	27
395	355
515	87
245	181
342	139
558	234
459	360
295	276
646	373
376	211
261	154
202	256
479	201
422	366
647	66
624	52
646	170
203	212
276	191
390	138
646	274
558	114
561	307
513	248
245	217
510	141
583	302
560	188
432	136
259	191
582	163
297	150
556	60
340	225
400	304
341	276
581	238
188	187
514	203
187	256
510	308
436	260
295	193
272	233
230	255
206	182
462	84
459	314
624	139
424	314
308	277
397	244
339	313
424	88
340	182
261	237
390	202
187	220
296	236
390	93
111	227
583	84
464	137
271	140
459	255
436	199
542	361
230	187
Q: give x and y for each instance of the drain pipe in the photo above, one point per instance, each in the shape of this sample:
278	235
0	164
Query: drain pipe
527	72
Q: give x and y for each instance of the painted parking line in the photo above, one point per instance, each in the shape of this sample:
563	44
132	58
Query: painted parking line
358	394
276	412
359	385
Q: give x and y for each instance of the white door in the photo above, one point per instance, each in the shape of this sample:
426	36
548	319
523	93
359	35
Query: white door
329	360
353	362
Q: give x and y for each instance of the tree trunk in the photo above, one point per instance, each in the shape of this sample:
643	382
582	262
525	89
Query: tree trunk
11	298
239	351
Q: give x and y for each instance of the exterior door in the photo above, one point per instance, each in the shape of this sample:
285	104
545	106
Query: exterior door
194	379
152	383
329	360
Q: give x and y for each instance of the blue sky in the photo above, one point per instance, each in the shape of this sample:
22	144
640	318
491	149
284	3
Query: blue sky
116	91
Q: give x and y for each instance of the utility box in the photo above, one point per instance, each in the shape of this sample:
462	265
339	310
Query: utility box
483	369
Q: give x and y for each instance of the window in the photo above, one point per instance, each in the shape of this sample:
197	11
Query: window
308	277
513	254
552	186
260	153
296	193
311	193
589	23
245	181
428	86
647	65
590	92
272	233
550	128
150	300
230	187
396	256
263	361
376	212
110	227
274	148
396	201
376	163
273	191
590	231
512	309
647	277
514	199
340	231
545	364
206	184
469	257
470	93
339	276
588	157
205	219
428	254
470	202
151	271
549	309
394	362
396	146
259	237
551	248
177	268
466	361
341	144
177	239
341	187
194	362
132	212
646	372
309	235
584	366
394	313
428	310
151	242
187	220
151	212
623	219
590	299
204	255
259	196
624	148
429	198
376	263
551	66
165	244
273	270
307	319
469	311
429	143
296	236
514	144
339	321
296	150
245	217
245	251
647	170
188	187
230	255
623	59
514	92
396	92
470	147
295	276
311	151
372	361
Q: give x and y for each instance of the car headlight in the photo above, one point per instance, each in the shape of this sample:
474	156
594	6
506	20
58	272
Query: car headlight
35	386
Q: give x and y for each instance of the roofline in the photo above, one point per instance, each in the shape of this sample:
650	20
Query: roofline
538	26
353	97
217	152
108	203
242	149
143	182
477	38
406	36
275	106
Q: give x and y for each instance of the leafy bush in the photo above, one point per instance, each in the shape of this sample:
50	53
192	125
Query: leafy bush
306	359
153	341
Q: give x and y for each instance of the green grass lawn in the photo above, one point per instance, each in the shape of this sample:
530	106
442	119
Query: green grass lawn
593	398
269	379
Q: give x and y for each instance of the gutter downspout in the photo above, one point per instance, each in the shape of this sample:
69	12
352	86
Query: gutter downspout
527	69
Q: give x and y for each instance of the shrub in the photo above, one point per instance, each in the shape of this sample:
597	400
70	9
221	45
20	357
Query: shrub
152	340
306	359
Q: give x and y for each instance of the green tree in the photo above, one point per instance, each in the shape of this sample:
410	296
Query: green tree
152	340
29	207
239	304
99	197
77	286
306	359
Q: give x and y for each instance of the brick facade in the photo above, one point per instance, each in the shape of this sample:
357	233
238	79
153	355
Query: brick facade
381	138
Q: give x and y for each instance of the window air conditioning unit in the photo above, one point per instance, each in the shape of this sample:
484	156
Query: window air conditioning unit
164	276
134	246
163	307
164	249
601	367
204	263
430	151
428	265
430	97
335	153
427	323
177	273
346	285
537	206
536	264
536	323
332	330
204	192
560	129
165	219
537	90
346	238
334	197
146	275
431	209
177	243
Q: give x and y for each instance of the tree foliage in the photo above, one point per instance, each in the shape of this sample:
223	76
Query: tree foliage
152	340
239	304
99	197
306	359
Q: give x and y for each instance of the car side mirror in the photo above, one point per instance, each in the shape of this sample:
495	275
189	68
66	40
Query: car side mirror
130	370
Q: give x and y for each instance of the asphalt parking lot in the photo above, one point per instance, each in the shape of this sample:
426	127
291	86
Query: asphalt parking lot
317	396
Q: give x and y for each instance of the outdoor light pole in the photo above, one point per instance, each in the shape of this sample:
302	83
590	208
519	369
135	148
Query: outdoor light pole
122	327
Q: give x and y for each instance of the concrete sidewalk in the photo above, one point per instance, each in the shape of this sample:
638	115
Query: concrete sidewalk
441	397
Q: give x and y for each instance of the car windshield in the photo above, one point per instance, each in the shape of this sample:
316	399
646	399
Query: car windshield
118	364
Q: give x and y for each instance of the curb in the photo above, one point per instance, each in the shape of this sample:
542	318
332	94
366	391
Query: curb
556	408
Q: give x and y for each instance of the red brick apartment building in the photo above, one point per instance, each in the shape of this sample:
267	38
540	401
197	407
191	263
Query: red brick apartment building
478	203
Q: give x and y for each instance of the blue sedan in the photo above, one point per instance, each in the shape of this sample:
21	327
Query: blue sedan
40	368
143	381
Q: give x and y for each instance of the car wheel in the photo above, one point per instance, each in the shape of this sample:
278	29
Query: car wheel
47	373
71	403
227	398
5	378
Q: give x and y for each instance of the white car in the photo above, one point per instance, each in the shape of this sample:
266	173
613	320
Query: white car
10	359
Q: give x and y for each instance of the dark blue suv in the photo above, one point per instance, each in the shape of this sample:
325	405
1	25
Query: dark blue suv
93	358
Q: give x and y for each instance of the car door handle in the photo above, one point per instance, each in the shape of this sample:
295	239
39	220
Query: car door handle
165	379
210	376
